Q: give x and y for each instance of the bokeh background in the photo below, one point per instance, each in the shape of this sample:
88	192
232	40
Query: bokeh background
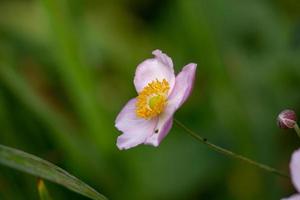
67	67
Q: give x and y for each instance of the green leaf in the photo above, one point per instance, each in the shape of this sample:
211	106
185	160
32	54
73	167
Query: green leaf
41	168
43	192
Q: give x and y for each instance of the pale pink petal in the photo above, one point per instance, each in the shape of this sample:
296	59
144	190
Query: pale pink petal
181	91
160	67
163	57
295	169
183	85
162	128
135	130
293	197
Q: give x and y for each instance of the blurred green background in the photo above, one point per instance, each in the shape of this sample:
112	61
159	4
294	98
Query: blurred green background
67	67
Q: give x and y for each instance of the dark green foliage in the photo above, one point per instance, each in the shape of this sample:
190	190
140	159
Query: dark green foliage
66	70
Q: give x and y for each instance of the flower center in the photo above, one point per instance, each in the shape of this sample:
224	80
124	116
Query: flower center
152	99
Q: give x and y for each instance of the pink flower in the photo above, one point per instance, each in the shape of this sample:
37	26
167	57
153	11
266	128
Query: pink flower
295	173
148	118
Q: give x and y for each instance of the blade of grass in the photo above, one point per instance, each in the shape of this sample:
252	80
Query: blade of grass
43	192
41	168
76	75
17	85
6	128
64	135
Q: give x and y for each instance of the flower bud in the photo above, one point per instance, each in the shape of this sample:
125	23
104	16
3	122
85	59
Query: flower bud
287	119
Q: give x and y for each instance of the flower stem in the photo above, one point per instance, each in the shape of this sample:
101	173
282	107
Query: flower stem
230	153
296	128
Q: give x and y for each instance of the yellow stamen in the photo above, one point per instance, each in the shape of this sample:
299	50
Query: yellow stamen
152	99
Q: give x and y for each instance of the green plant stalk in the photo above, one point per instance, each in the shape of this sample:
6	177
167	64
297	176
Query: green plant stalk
297	129
197	25
43	192
228	152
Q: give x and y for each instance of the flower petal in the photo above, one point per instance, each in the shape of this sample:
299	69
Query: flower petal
162	127
295	169
183	85
181	91
135	130
293	197
163	57
160	67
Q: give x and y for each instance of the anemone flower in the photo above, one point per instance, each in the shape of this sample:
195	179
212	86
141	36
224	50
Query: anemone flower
148	118
295	173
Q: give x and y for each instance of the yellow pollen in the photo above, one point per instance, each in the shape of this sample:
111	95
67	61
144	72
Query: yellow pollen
152	99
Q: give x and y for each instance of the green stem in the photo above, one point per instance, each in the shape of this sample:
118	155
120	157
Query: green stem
296	128
230	153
